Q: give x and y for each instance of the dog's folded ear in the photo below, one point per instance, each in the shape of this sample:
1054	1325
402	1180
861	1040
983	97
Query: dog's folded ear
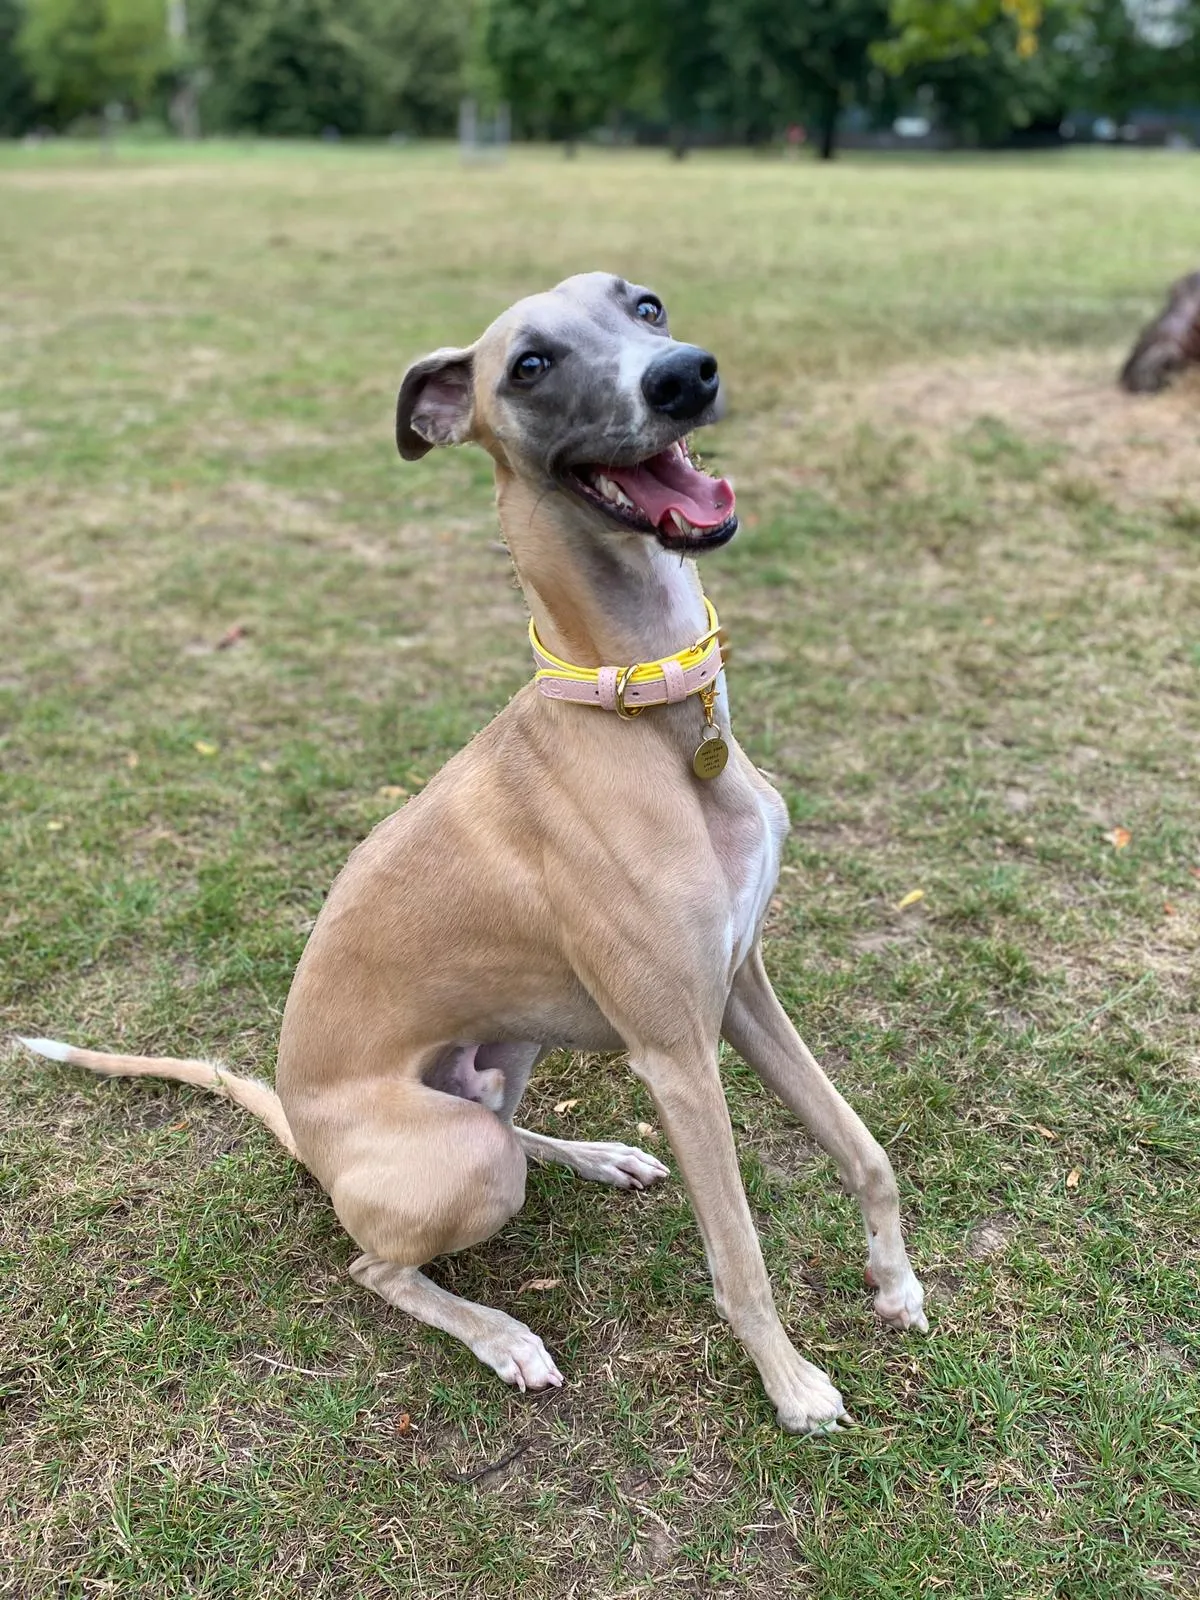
435	402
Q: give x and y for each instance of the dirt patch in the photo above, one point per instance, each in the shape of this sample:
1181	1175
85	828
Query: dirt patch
990	1237
1137	447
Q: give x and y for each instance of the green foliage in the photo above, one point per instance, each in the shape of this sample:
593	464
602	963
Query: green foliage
416	54
562	63
983	96
82	54
696	80
940	30
367	67
299	67
736	69
814	60
18	99
1121	61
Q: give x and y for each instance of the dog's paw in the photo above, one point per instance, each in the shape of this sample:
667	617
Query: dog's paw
516	1354
805	1400
617	1164
902	1305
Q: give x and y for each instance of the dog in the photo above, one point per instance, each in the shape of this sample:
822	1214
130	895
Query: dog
591	872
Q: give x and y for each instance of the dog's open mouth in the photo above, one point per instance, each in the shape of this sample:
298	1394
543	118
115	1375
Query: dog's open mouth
667	495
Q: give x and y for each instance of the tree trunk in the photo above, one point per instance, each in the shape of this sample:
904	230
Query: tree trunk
570	147
829	133
679	141
183	112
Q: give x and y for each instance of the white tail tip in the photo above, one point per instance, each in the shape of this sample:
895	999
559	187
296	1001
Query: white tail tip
54	1049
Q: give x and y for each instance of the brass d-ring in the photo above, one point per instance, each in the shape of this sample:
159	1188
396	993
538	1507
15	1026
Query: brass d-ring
623	680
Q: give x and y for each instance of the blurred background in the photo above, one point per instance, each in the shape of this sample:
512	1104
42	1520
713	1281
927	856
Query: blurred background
910	73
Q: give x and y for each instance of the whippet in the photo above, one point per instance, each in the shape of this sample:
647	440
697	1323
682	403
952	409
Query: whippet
592	872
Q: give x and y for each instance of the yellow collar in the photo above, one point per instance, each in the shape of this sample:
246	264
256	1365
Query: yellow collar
628	690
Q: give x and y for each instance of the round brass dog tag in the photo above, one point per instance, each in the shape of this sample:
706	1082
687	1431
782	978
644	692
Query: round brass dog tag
710	757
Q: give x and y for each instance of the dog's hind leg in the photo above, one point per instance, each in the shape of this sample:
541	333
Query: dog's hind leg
621	1165
501	1342
757	1026
427	1174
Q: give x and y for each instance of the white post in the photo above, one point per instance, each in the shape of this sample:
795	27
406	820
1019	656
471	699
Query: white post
184	109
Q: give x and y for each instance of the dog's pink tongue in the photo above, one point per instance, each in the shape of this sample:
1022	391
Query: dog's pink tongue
669	482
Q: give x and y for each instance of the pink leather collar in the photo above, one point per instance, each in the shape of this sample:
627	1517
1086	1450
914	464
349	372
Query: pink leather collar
632	688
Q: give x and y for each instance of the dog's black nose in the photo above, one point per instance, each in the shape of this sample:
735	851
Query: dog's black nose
682	383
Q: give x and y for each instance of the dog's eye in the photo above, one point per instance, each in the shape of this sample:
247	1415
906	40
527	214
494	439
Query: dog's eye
649	309
530	366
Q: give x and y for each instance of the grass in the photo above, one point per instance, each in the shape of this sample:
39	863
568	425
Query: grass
964	611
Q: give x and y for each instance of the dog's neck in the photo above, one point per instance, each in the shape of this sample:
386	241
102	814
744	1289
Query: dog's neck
607	600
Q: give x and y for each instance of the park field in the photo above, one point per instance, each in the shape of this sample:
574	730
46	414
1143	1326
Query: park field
965	616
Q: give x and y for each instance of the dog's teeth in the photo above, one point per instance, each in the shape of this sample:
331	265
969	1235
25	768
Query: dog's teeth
681	522
611	491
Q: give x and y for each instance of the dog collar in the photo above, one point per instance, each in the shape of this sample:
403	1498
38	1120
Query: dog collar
628	690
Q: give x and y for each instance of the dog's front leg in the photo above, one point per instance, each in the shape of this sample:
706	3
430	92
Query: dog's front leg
759	1029
687	1093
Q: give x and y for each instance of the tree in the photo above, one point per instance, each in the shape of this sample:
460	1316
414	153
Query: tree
985	97
82	54
1123	57
298	67
815	60
18	99
418	56
362	66
562	64
938	30
689	44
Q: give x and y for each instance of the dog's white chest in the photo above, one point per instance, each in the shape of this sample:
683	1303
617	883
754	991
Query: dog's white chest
749	848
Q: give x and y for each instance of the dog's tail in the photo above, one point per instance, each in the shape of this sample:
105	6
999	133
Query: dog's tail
250	1093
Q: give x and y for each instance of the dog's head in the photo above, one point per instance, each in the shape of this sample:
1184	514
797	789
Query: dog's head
583	392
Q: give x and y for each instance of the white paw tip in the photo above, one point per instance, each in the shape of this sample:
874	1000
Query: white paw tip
52	1049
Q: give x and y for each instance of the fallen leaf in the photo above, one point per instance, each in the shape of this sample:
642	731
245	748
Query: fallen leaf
203	748
539	1283
1168	908
1073	1178
231	636
910	899
564	1106
131	760
392	791
1046	1133
1195	871
266	766
403	1424
1119	838
647	1130
55	827
177	1127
